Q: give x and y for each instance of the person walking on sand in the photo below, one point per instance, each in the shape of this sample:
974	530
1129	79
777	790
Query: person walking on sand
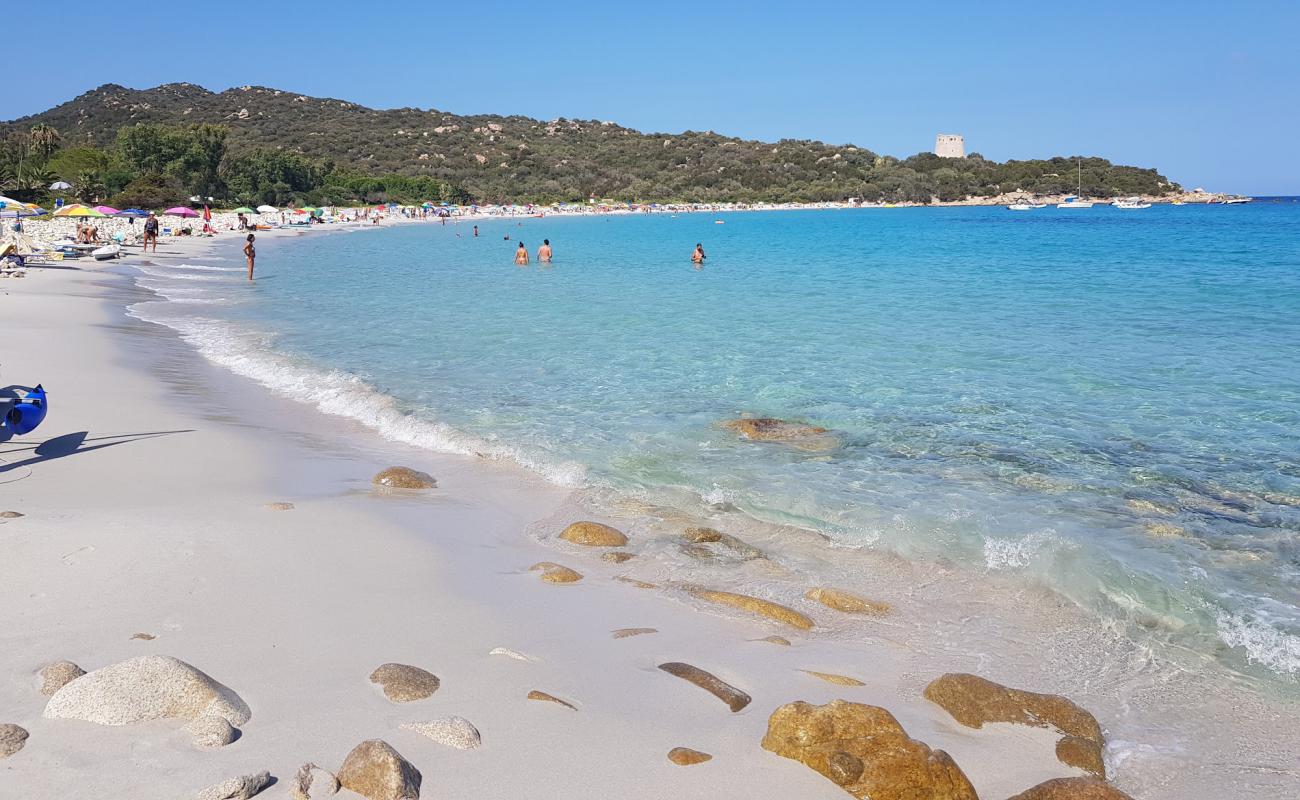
544	252
698	256
521	255
250	252
151	232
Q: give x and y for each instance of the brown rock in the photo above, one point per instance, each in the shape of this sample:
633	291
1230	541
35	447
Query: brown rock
550	698
376	771
847	602
556	573
766	608
281	506
10	514
838	680
685	756
1085	754
593	534
1072	789
144	637
737	547
770	429
56	675
404	478
973	701
12	739
733	697
781	640
638	584
403	683
865	751
617	556
701	535
623	633
698	551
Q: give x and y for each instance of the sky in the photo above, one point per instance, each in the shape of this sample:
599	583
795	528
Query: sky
1208	93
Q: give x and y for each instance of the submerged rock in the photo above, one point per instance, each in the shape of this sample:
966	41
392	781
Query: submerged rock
973	701
556	573
766	608
403	683
769	429
144	637
550	698
685	756
733	697
865	751
453	731
12	739
56	675
593	534
638	584
838	680
781	640
211	732
1072	789
376	771
617	556
240	788
404	478
313	783
623	633
847	602
144	688
737	547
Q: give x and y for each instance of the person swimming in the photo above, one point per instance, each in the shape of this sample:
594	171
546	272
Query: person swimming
544	252
698	256
521	255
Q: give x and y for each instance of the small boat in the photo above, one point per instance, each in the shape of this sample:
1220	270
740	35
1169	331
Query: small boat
107	252
1130	203
1233	201
1073	201
21	415
1023	206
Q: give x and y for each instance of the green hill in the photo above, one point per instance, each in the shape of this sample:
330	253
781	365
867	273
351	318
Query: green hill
280	146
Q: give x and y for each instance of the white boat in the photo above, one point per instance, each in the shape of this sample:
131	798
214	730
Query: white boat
1232	201
1130	203
1074	201
1022	206
107	252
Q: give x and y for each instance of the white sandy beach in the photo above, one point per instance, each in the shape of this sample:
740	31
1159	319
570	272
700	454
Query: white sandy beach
145	501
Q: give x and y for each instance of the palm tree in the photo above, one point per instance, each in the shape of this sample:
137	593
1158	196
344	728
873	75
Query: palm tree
89	186
44	139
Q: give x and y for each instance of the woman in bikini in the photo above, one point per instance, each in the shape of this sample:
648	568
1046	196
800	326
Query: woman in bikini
250	252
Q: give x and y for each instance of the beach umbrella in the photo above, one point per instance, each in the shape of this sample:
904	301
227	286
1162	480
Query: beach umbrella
132	212
106	210
78	211
181	211
16	208
243	210
58	185
267	210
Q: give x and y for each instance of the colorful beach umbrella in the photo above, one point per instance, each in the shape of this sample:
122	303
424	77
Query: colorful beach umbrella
181	211
78	211
107	210
132	212
16	208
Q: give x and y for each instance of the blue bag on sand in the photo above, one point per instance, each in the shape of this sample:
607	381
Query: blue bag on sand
25	414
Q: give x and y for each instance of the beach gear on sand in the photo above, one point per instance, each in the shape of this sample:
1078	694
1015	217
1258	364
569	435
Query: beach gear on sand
25	413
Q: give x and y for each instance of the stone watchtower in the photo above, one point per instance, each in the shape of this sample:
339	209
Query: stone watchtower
950	145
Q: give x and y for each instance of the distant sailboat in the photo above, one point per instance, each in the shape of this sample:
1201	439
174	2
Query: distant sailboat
1074	201
1130	203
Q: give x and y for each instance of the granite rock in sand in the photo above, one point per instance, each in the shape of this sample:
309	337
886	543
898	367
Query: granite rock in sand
847	602
56	675
556	573
404	478
973	701
1072	789
145	688
240	788
12	739
403	683
617	556
376	771
623	633
738	548
864	751
456	732
838	680
766	608
10	514
313	783
685	756
593	534
1085	754
210	732
280	506
733	697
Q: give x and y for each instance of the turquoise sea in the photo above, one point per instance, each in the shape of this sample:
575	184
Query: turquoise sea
1105	402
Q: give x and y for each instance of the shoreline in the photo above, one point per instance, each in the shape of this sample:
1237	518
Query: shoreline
473	569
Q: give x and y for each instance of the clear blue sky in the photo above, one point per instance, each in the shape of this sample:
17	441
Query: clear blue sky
1206	92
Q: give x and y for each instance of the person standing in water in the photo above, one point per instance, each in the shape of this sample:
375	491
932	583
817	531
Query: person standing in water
698	256
521	255
250	252
475	231
544	252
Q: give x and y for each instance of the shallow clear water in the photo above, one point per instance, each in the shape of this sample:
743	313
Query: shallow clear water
1103	401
